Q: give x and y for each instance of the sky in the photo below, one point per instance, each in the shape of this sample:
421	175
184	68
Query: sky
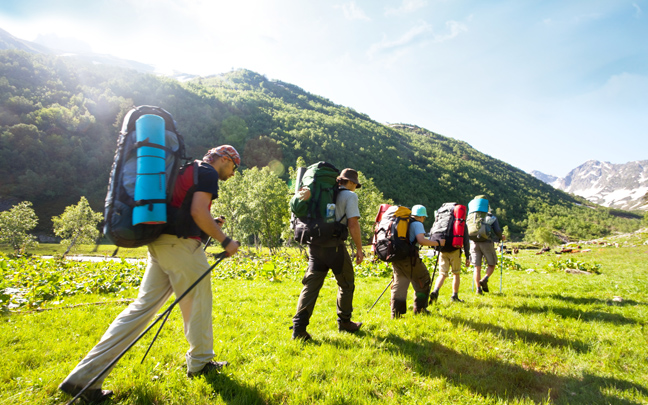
542	85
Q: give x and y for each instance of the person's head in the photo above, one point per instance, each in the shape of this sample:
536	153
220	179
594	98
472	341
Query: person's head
225	159
419	212
349	179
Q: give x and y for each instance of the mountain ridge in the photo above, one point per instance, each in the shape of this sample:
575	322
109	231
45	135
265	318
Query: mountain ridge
622	186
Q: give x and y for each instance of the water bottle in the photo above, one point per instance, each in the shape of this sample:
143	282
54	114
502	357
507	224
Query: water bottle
330	210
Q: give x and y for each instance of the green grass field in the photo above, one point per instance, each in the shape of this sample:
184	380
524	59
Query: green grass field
549	337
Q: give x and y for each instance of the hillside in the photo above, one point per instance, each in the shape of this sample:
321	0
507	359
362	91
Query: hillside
59	120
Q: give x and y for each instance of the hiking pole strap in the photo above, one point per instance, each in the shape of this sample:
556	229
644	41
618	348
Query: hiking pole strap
220	257
374	304
112	363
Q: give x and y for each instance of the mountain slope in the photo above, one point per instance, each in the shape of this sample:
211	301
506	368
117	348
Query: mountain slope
620	186
59	120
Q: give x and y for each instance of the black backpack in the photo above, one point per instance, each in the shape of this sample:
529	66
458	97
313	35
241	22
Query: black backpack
315	218
449	224
120	200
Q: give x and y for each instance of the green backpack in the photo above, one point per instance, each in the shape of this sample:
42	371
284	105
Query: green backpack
480	226
315	218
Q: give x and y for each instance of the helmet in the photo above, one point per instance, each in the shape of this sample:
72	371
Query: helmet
419	211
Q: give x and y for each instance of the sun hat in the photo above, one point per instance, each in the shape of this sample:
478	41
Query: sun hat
351	175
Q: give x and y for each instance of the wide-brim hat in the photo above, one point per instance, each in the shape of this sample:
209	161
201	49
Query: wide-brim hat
351	175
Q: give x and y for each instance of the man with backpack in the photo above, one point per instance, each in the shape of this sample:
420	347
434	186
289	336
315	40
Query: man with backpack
484	230
412	270
321	258
449	256
175	260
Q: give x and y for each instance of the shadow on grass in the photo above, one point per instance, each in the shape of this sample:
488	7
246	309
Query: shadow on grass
587	316
526	336
594	301
233	392
510	382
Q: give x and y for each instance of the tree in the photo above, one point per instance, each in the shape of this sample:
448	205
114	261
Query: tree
546	237
369	200
77	225
255	204
14	225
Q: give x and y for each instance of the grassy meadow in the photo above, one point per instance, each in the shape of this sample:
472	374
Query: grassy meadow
550	337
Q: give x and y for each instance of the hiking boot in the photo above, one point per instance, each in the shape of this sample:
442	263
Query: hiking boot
421	311
479	291
484	285
455	298
349	326
303	336
434	295
208	368
89	396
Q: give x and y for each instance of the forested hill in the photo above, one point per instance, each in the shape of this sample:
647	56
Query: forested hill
59	120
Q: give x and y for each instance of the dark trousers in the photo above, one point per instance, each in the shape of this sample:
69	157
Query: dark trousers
320	261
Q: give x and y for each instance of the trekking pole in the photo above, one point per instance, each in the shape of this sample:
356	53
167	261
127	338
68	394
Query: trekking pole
381	294
220	258
501	262
435	267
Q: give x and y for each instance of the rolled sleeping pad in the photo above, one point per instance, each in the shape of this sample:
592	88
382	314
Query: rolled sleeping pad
150	183
478	204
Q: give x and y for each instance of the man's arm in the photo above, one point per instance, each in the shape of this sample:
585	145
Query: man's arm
354	230
203	218
423	241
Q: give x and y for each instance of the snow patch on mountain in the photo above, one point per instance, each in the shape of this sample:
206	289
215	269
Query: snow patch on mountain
623	186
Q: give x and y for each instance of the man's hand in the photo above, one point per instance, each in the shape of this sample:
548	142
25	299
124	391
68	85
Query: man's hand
232	248
304	194
359	256
441	242
467	262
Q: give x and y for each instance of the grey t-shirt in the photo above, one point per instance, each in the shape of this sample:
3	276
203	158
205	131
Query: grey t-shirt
346	203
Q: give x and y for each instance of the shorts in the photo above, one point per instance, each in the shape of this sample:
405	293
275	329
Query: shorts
479	250
448	260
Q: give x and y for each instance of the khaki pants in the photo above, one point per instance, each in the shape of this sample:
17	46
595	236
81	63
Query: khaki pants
410	271
173	265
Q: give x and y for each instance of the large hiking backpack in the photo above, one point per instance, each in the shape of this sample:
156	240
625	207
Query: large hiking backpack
449	224
121	200
379	215
315	218
480	226
391	237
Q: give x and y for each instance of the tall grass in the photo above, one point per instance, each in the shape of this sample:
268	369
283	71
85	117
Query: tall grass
549	337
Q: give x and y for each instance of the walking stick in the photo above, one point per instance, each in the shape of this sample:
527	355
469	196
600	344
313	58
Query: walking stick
435	267
501	262
164	314
374	304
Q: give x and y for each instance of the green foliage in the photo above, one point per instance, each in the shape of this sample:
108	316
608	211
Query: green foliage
15	224
77	224
255	204
34	282
544	236
573	263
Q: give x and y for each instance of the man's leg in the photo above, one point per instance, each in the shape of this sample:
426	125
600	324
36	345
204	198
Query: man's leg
421	283
312	283
346	287
154	291
184	261
399	288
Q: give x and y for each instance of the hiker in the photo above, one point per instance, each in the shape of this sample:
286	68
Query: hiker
412	269
452	260
336	258
174	263
484	230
